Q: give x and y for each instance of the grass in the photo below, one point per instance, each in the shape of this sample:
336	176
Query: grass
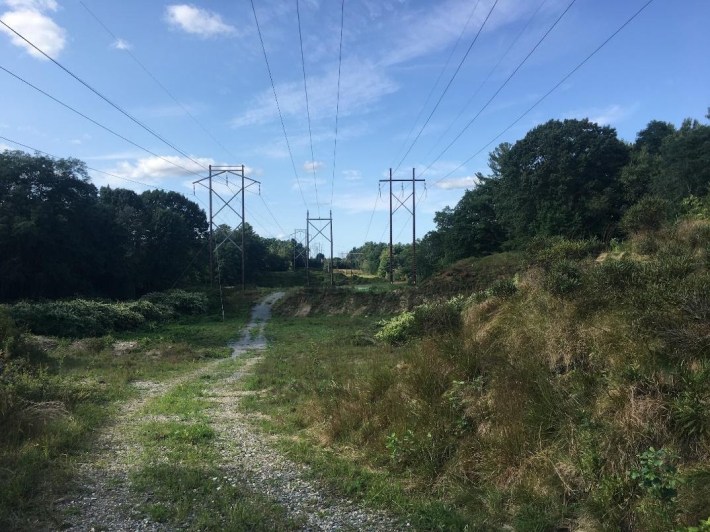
303	374
179	467
55	395
575	396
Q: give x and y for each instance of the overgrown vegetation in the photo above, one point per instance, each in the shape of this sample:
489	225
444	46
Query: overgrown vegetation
575	395
54	394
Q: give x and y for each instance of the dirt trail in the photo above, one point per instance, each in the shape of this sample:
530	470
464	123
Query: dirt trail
106	501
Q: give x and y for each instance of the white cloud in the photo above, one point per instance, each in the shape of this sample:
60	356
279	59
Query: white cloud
359	203
33	5
604	116
154	169
444	22
312	166
120	44
352	175
468	182
196	21
37	28
362	84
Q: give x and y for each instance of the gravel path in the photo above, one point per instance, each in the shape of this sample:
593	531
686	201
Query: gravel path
105	501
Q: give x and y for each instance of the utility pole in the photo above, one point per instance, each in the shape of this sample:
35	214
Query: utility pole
413	211
319	227
245	182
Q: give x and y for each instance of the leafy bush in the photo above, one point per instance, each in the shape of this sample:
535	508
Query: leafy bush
656	474
180	301
563	277
502	288
649	214
426	319
82	317
547	251
397	330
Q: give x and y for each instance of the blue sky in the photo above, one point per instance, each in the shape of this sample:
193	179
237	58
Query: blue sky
195	74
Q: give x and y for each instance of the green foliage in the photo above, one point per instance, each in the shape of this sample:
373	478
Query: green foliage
425	319
501	288
179	301
649	214
82	317
546	251
657	475
562	178
563	277
397	330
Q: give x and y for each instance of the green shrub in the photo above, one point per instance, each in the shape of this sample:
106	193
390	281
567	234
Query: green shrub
649	214
82	317
397	330
502	288
563	277
616	277
426	319
656	474
180	301
547	251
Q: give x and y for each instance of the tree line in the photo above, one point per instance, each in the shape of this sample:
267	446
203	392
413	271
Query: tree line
60	236
570	178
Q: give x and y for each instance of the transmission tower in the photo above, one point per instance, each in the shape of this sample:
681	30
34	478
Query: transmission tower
216	197
320	226
412	211
299	237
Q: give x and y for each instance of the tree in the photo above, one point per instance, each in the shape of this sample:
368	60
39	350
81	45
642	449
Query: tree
471	228
652	136
55	241
685	163
562	178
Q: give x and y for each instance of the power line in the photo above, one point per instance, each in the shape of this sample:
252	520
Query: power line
157	81
278	107
337	101
97	170
438	79
553	89
488	77
271	214
447	85
308	110
106	128
100	95
515	71
372	215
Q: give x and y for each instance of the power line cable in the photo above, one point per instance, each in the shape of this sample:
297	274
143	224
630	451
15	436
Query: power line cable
438	79
372	215
99	171
157	81
278	107
104	98
488	77
507	80
271	213
337	101
308	110
473	42
553	89
106	128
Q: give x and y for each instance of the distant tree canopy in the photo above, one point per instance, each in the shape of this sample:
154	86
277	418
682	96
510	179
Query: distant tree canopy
60	237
